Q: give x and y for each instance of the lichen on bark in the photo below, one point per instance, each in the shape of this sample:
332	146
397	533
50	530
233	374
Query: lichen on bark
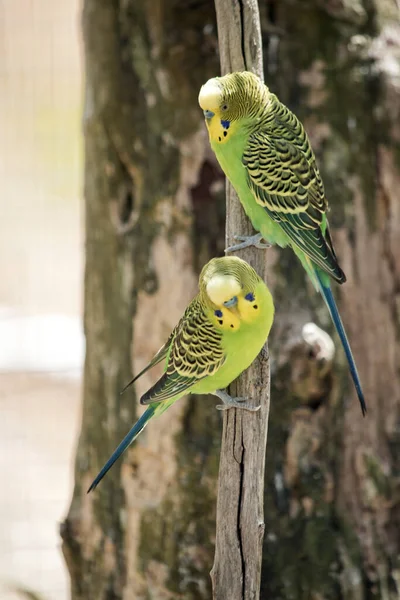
144	152
330	74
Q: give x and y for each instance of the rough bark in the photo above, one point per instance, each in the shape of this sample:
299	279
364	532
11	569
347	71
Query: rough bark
138	535
236	573
154	215
333	477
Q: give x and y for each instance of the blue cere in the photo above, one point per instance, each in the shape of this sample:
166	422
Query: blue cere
232	302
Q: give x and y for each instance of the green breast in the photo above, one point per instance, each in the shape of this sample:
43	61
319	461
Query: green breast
229	155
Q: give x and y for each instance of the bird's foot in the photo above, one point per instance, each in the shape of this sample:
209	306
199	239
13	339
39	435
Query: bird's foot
246	241
229	402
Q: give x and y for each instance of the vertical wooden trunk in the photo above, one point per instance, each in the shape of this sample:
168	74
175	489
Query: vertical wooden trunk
333	493
150	225
236	572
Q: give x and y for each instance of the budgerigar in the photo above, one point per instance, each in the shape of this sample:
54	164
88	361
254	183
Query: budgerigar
265	153
220	334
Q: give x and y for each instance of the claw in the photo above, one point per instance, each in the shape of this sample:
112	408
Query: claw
242	405
229	402
247	241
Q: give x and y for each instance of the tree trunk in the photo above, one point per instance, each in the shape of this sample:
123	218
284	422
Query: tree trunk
154	215
150	225
333	497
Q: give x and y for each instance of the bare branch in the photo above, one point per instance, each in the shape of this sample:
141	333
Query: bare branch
236	573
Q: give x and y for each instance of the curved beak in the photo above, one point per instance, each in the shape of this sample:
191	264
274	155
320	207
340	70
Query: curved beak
235	311
208	114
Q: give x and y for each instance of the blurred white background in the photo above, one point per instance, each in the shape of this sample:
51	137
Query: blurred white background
41	263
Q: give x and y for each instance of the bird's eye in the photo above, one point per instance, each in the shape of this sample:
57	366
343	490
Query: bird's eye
224	107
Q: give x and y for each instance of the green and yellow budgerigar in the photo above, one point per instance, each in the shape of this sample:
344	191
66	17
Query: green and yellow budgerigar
265	153
220	334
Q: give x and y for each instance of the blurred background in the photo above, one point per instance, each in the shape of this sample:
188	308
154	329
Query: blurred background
41	258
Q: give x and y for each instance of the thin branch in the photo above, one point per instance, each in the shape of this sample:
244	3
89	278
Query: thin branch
236	574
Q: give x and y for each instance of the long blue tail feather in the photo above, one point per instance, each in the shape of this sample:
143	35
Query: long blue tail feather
128	439
331	304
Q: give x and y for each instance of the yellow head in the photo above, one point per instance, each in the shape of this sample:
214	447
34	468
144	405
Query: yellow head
227	99
231	289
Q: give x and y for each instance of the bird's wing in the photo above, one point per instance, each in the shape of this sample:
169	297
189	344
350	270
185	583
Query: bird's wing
285	180
161	355
196	352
